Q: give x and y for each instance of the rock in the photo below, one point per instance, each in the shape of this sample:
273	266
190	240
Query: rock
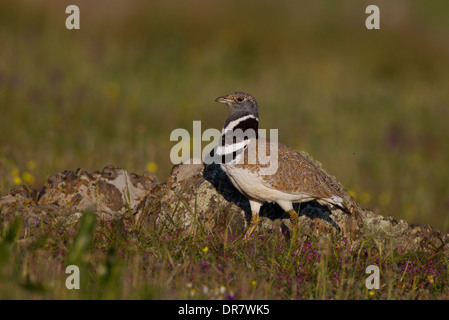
111	193
200	199
190	202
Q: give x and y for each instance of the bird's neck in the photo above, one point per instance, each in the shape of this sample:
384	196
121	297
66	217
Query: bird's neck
243	123
236	134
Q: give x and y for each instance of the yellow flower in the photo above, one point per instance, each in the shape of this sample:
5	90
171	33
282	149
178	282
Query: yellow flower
430	279
205	249
17	180
31	165
28	178
15	172
371	293
352	193
365	197
151	167
254	283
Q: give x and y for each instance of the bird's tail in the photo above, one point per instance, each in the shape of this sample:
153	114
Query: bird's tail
353	225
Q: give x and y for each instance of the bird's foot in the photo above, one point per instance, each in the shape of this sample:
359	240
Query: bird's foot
252	225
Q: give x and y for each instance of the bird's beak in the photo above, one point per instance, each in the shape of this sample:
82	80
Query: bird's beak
222	100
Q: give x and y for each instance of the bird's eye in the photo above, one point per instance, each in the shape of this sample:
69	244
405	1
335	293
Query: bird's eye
240	99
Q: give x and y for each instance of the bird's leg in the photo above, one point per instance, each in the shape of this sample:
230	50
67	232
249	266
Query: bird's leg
294	221
255	208
252	225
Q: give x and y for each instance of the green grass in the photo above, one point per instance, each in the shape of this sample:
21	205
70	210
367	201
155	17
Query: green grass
372	106
122	261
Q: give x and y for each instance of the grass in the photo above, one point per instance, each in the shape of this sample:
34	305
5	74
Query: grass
119	260
371	105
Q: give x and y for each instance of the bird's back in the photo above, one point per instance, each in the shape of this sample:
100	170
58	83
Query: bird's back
297	172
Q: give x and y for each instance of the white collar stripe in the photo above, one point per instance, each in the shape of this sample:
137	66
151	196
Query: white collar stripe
231	125
230	148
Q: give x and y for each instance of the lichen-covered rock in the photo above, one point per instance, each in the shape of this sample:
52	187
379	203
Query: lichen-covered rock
111	193
199	198
190	203
406	237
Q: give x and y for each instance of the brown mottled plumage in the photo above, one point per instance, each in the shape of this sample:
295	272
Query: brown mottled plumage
297	173
306	177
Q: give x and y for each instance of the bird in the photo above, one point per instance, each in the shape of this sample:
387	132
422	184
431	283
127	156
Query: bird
295	177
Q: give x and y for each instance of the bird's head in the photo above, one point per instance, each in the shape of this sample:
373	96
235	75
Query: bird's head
240	102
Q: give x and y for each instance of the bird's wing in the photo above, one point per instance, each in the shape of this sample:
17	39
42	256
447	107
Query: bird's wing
298	173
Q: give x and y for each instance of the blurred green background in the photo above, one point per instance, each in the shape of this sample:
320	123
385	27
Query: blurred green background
372	106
